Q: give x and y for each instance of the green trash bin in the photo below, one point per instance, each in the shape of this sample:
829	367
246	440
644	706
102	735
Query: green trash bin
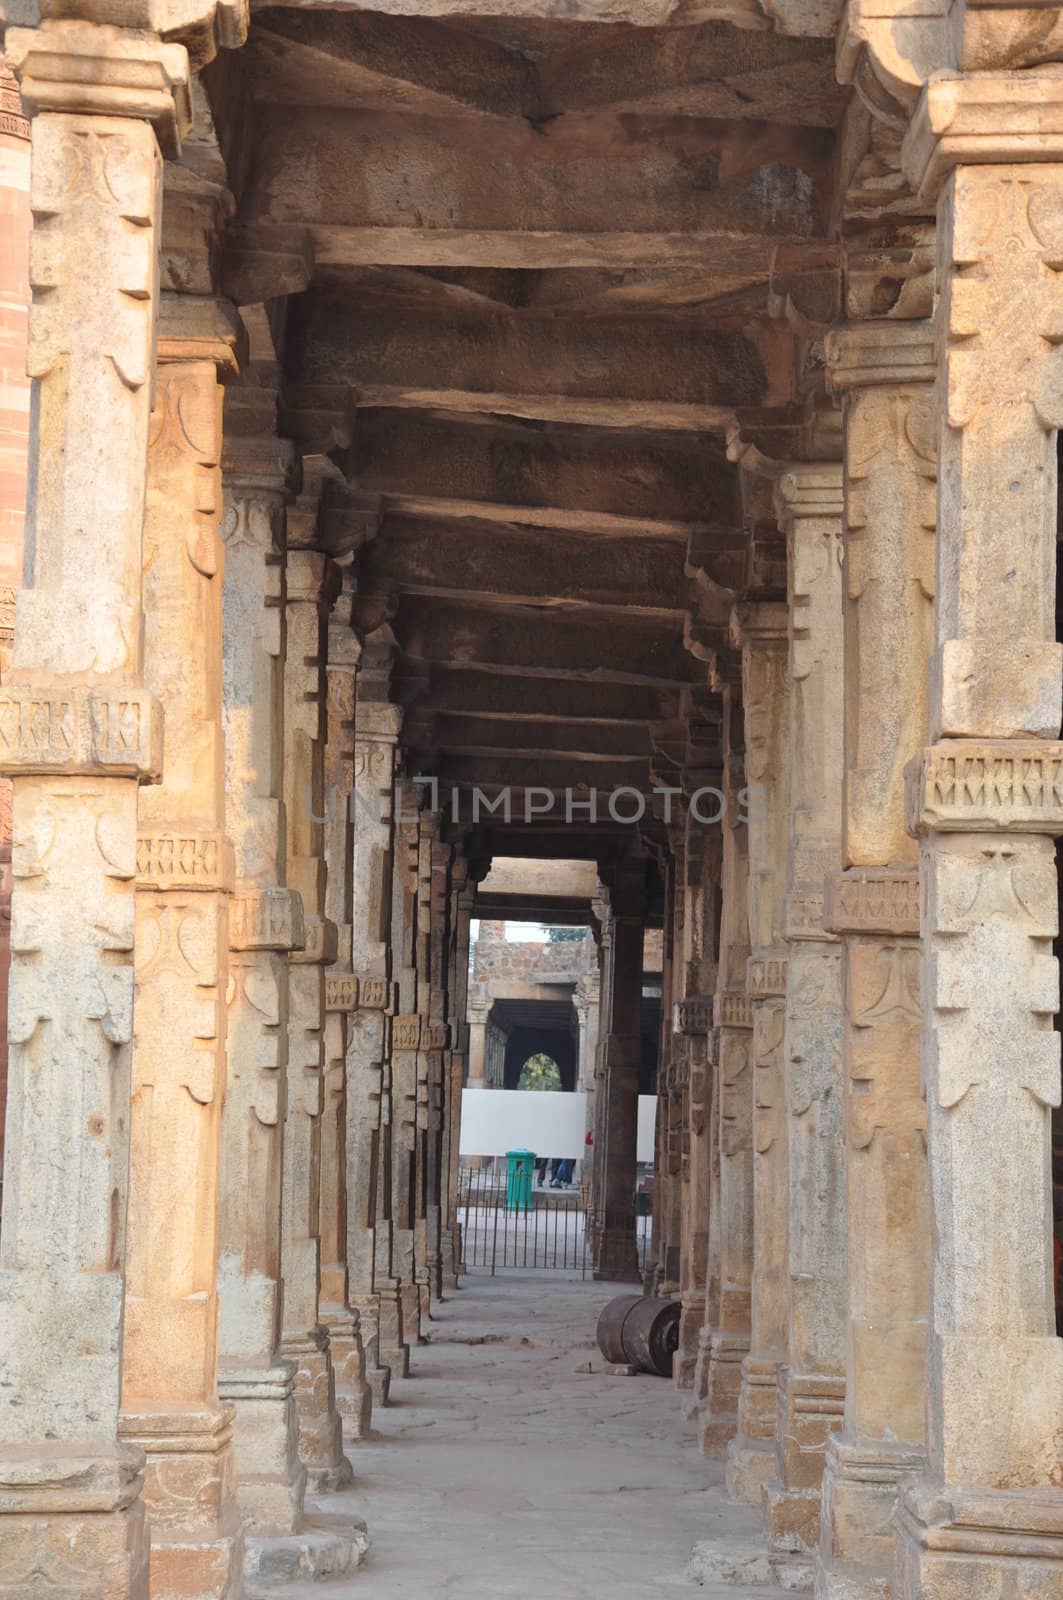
519	1178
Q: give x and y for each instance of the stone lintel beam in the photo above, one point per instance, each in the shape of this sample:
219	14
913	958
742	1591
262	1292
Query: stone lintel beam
524	640
683	368
681	478
536	773
471	561
471	735
316	58
806	20
355	177
463	692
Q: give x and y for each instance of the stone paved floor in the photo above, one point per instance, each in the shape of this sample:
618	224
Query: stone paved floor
510	1465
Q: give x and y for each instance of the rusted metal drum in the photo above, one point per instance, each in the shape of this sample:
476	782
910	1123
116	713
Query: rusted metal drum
651	1335
638	1330
611	1328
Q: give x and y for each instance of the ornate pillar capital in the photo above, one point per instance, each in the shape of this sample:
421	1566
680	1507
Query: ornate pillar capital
865	355
94	69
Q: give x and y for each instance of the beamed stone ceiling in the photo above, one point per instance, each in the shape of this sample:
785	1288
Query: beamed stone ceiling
530	292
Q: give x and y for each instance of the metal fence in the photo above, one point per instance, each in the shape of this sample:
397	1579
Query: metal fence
548	1235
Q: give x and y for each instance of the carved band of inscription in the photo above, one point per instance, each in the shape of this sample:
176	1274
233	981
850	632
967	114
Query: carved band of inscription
804	914
693	1015
341	991
184	860
81	732
733	1010
406	1033
321	944
872	900
434	1035
266	919
977	786
765	976
375	994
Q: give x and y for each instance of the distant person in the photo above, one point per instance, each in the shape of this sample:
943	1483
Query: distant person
563	1174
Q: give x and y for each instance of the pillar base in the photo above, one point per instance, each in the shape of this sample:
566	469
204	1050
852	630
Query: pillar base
324	1548
719	1418
377	1373
189	1497
320	1432
618	1260
354	1398
394	1352
701	1367
751	1453
811	1407
957	1543
270	1478
72	1523
860	1486
410	1300
691	1322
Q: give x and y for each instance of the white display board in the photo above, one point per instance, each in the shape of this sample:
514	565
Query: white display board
496	1120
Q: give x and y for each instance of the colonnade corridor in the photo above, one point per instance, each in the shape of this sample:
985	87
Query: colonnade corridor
511	1464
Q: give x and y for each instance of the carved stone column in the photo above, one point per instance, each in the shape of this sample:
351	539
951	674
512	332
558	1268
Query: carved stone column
170	1406
479	1005
343	1321
311	584
462	893
79	733
696	966
596	1094
266	920
811	1386
663	1267
437	1039
883	370
760	630
986	799
693	1017
617	1256
372	1287
405	1065
728	1334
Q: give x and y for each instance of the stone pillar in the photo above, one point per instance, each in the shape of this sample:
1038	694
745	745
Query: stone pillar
729	1338
372	1288
184	880
693	1017
761	631
883	371
462	894
597	1101
588	1010
80	733
663	1266
404	1054
437	1039
266	920
617	1255
479	1006
696	965
811	1386
986	799
339	1316
15	224
311	585
585	999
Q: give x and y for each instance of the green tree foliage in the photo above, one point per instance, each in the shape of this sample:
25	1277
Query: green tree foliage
565	935
539	1072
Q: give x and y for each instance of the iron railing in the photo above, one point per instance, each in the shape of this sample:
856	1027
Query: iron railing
548	1235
